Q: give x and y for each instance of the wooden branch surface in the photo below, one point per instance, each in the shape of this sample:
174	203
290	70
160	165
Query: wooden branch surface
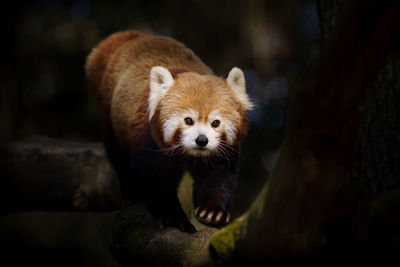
49	174
43	173
135	239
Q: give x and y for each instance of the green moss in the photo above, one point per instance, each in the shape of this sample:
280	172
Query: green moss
185	194
224	241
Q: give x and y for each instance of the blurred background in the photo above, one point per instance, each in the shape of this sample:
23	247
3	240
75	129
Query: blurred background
43	90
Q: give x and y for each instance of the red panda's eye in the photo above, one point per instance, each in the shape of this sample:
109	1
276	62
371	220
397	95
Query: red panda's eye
215	123
189	121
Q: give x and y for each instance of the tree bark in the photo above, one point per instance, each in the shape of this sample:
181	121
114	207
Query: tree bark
303	210
43	173
376	170
134	239
48	174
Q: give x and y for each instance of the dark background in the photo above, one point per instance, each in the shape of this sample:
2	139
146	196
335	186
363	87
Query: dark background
43	90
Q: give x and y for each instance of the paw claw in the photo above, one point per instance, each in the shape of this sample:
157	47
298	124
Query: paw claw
196	210
219	216
203	212
212	216
209	216
228	218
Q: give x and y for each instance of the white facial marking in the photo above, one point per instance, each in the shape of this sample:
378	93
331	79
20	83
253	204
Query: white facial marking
173	122
169	127
214	115
191	113
230	130
226	124
190	134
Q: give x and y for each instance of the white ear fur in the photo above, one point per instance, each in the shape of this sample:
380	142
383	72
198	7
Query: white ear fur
237	82
160	80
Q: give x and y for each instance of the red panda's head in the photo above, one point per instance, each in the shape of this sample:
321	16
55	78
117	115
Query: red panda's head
199	115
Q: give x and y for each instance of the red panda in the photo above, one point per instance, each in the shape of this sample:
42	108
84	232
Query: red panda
164	112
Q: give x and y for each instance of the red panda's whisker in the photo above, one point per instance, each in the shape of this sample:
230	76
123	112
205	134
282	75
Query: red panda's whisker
222	153
174	147
225	152
232	150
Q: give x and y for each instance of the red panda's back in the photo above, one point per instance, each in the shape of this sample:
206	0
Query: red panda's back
98	61
118	72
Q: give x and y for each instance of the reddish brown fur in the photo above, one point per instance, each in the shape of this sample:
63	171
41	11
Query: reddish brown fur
203	93
133	53
98	60
118	71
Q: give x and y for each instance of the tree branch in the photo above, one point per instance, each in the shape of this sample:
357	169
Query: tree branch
43	173
135	239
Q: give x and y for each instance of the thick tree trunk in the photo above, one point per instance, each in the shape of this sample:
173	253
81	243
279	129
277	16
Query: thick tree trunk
376	170
303	210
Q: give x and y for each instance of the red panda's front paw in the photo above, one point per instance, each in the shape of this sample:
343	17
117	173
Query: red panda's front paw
212	217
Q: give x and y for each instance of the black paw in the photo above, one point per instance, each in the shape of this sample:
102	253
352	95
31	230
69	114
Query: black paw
212	216
182	225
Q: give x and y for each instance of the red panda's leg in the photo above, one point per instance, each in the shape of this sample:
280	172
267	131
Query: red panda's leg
155	179
167	210
117	158
213	191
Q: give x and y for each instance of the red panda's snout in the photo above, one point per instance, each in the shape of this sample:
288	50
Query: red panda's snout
201	140
197	115
186	134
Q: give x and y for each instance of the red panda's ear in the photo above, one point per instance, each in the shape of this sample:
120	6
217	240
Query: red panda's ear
237	82
160	80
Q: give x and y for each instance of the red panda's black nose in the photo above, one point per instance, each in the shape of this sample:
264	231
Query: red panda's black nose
201	140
